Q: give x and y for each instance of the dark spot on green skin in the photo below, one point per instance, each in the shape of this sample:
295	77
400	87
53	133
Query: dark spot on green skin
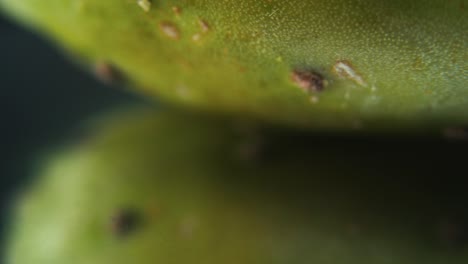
308	80
125	222
108	73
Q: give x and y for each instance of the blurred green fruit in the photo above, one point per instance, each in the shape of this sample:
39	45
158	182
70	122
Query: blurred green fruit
170	188
336	64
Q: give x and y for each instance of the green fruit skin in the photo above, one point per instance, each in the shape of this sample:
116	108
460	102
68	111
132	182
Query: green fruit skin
409	59
203	200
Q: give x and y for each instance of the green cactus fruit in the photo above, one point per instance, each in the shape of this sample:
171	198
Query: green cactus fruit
170	188
334	64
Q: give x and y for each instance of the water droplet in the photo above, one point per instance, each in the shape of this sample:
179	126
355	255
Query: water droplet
309	81
345	70
145	5
169	29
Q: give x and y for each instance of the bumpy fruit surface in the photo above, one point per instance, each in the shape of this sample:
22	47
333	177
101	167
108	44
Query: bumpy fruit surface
316	63
154	188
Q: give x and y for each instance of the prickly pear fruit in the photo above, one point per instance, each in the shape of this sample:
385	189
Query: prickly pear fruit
322	63
155	188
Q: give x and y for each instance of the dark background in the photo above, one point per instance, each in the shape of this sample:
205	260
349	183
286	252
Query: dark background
44	99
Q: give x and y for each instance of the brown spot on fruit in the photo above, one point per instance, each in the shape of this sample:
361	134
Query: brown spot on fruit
144	4
169	29
107	73
307	80
124	222
177	10
203	25
345	70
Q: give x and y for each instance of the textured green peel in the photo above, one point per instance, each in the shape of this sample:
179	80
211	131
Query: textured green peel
170	188
385	64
